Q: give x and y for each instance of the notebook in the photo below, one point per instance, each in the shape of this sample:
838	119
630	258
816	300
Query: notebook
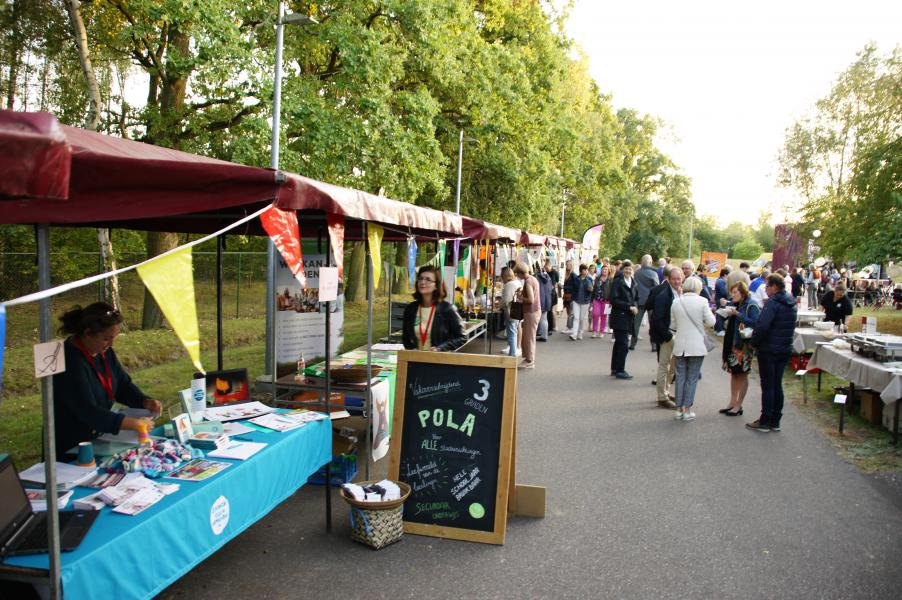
23	531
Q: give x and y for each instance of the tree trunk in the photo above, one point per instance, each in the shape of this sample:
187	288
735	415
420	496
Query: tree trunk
400	283
111	285
15	48
157	243
81	44
355	274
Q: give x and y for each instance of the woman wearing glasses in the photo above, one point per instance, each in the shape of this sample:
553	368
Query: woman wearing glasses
431	323
83	395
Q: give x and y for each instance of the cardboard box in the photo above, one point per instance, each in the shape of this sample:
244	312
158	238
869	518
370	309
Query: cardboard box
871	407
888	412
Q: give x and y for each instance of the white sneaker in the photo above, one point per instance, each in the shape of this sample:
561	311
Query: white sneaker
506	350
573	337
594	335
579	337
721	333
689	416
601	336
678	416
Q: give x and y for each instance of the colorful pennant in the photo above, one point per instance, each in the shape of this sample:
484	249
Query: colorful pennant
170	279
411	260
374	235
282	228
337	239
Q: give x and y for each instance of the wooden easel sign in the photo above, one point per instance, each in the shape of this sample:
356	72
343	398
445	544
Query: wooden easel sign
453	433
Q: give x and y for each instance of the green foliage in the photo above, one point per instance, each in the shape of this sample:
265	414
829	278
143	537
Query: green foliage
844	161
747	249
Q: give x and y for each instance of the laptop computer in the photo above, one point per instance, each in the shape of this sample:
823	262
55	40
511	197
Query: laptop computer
23	531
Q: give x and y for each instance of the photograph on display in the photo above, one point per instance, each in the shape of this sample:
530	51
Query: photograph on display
225	387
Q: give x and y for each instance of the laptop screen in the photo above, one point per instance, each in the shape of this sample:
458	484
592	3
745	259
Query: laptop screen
14	505
226	387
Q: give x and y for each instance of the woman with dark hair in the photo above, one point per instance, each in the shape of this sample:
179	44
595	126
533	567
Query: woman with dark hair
83	395
431	323
738	353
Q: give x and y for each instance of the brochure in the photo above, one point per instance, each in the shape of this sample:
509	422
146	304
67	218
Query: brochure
237	450
237	412
38	499
67	476
237	428
198	469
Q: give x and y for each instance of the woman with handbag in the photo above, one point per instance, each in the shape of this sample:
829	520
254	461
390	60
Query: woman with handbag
737	351
532	310
513	312
689	314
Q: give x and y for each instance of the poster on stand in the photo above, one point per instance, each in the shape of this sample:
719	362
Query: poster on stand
300	316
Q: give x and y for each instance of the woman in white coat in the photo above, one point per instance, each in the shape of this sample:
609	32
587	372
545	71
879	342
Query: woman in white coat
689	314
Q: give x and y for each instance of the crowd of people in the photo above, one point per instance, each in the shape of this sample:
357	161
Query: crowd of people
673	305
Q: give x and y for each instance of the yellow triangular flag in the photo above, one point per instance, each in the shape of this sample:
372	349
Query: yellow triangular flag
171	281
374	234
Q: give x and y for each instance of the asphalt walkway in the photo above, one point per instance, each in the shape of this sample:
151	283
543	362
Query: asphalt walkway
639	506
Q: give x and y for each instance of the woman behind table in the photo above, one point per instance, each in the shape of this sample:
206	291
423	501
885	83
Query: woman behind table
430	322
512	285
532	311
83	395
688	316
600	302
738	353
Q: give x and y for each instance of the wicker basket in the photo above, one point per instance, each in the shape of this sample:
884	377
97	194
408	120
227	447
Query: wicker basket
377	524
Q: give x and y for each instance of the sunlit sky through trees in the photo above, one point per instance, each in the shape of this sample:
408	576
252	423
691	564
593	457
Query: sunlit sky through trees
728	78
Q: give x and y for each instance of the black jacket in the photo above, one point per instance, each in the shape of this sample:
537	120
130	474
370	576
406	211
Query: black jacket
622	298
81	407
776	325
660	316
447	330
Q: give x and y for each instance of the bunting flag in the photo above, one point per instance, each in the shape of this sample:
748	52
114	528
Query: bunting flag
337	239
2	340
170	279
456	252
411	260
282	228
441	255
374	235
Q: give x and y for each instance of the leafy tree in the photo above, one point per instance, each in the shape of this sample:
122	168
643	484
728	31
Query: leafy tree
747	249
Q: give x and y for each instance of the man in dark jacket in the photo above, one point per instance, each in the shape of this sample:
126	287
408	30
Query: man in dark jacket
661	334
546	289
721	292
646	279
773	339
624	307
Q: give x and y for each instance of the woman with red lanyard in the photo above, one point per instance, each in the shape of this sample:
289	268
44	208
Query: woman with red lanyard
431	323
84	394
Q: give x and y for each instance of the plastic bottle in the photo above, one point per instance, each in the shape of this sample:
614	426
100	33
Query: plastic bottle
302	365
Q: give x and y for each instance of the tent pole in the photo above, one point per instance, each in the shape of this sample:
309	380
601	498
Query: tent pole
391	282
369	345
328	390
43	240
220	246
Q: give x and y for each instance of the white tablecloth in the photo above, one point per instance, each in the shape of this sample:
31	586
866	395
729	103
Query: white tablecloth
805	339
861	371
809	316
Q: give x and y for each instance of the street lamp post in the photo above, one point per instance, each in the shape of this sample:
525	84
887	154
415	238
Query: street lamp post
460	160
289	19
563	206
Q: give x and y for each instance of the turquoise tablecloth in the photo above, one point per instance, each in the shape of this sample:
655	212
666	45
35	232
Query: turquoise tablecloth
139	556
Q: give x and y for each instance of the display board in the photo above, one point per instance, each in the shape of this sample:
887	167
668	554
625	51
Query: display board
453	434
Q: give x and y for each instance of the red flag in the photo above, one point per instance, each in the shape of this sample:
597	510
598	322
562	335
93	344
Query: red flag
337	239
282	227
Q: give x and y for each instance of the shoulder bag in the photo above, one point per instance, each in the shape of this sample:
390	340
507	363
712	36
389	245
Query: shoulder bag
709	343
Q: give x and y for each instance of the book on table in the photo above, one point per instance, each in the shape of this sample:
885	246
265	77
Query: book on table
67	476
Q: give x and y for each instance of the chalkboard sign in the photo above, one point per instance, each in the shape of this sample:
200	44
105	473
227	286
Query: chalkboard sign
455	415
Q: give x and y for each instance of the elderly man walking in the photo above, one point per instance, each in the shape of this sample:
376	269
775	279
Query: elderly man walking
646	279
662	335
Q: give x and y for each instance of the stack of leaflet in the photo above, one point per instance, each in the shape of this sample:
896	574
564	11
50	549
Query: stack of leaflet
130	496
38	499
286	421
67	476
208	440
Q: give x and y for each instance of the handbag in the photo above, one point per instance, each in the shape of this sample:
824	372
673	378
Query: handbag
710	344
516	311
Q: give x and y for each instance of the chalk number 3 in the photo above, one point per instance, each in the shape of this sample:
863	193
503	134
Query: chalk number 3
485	391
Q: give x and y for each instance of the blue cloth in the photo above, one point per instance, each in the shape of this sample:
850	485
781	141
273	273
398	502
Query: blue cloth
139	556
776	325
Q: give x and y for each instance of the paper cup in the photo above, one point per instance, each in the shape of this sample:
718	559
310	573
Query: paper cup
86	454
198	394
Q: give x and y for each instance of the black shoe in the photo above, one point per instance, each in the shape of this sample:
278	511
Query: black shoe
775	428
757	426
623	375
632	348
541	339
655	383
723	410
613	373
730	413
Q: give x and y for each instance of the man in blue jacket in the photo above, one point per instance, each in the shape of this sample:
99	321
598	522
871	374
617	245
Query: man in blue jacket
773	339
721	293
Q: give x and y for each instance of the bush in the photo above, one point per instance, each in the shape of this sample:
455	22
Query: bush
747	248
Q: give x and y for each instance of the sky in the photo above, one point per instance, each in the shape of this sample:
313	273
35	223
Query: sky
728	79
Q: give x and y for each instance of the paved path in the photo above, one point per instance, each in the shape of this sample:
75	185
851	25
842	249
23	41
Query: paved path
639	506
